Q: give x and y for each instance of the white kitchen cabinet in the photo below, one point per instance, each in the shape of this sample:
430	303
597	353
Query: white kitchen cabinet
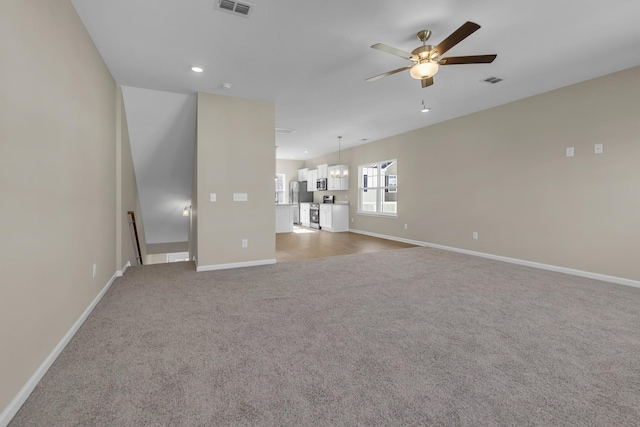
302	174
326	213
334	183
312	176
305	214
323	171
334	217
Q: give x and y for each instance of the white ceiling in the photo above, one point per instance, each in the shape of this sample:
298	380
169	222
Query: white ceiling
311	58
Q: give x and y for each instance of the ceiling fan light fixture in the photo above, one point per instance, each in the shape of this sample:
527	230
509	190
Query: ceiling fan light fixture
424	69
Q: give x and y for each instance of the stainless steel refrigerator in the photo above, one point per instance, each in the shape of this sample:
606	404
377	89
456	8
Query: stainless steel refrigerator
298	194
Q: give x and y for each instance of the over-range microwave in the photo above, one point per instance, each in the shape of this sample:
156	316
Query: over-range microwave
321	184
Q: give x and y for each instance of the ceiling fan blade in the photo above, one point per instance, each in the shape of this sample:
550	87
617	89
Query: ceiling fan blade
473	59
388	73
427	82
456	37
392	50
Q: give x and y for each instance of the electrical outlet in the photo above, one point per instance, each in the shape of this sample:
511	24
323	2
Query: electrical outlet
245	243
95	267
475	235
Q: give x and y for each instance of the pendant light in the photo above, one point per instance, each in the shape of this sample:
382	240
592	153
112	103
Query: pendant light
339	173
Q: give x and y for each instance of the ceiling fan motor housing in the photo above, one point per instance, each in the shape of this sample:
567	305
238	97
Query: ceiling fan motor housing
421	53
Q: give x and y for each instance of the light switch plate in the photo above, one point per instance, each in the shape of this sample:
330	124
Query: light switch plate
240	197
569	151
212	197
598	149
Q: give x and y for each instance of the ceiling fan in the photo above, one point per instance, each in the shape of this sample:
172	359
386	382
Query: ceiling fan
426	58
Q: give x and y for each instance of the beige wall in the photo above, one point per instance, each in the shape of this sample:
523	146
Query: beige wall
140	225
57	180
164	248
126	192
155	259
503	173
290	169
235	152
193	219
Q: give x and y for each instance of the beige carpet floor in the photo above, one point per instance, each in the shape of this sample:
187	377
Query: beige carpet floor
405	337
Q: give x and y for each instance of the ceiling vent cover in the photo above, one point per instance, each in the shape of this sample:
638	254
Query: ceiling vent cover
492	80
235	7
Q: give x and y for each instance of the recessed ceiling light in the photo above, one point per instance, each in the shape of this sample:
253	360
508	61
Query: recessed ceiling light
306	151
197	69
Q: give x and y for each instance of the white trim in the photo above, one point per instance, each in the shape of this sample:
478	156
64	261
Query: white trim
235	265
180	255
384	236
581	273
119	273
378	214
12	409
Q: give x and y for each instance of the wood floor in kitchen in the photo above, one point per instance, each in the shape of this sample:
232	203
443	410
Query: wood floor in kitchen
306	243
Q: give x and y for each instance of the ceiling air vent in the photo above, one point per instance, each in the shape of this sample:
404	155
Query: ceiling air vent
235	7
492	80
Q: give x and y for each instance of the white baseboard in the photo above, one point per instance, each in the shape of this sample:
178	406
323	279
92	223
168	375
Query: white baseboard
581	273
119	273
12	409
235	265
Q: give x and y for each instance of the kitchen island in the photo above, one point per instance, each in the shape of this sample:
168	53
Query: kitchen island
284	217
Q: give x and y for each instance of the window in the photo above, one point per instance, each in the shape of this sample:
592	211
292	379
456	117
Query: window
280	180
378	188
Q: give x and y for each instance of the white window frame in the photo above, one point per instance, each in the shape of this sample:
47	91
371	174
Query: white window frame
380	190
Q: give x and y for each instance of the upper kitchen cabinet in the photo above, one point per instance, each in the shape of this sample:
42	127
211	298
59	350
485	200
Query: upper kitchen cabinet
323	171
338	178
302	174
312	176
